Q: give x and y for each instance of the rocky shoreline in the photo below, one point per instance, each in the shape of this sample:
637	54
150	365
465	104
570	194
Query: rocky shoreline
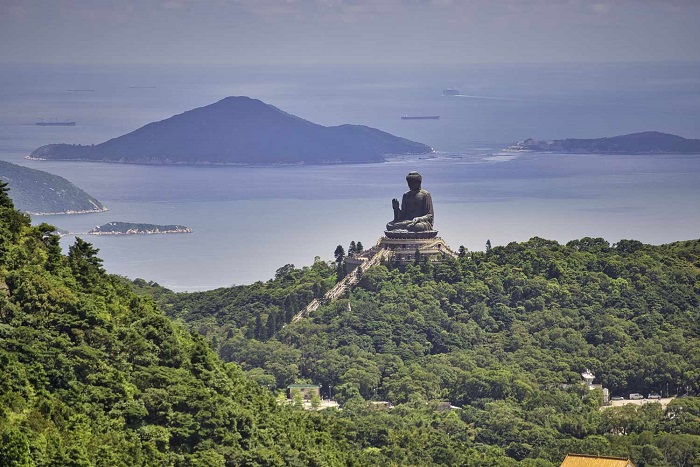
61	213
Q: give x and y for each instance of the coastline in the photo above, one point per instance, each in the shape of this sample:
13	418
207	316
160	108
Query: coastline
130	228
140	232
70	212
384	158
515	150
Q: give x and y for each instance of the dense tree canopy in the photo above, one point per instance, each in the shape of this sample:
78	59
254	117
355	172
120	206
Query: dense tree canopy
504	335
480	356
93	375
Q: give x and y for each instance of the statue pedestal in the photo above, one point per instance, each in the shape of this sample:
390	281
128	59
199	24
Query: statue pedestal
405	234
403	246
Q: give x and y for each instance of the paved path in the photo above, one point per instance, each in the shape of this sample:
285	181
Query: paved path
341	287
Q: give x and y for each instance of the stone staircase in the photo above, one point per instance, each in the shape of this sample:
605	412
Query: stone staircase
346	283
447	251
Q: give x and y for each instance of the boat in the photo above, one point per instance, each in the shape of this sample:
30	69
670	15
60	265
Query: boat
451	92
54	122
420	117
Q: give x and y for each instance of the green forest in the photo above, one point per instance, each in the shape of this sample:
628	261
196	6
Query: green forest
93	375
503	334
479	358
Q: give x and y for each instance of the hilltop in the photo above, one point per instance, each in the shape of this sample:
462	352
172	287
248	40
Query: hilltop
648	142
239	130
38	192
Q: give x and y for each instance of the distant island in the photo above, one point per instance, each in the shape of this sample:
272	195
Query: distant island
239	130
40	193
648	142
129	228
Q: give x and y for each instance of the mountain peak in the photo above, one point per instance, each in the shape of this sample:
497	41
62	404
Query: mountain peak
239	101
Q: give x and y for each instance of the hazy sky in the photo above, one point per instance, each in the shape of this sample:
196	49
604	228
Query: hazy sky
348	31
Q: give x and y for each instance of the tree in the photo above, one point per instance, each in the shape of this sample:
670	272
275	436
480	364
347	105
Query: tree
83	261
259	332
628	246
284	271
359	248
14	448
488	246
339	254
342	270
340	259
271	324
13	219
298	400
315	401
5	200
52	242
416	256
462	251
352	249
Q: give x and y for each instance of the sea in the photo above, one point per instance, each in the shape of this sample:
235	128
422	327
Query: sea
249	221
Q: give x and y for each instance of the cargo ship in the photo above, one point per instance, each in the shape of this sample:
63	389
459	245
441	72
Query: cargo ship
54	123
420	117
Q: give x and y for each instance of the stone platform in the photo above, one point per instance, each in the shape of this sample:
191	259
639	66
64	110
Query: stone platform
405	234
402	247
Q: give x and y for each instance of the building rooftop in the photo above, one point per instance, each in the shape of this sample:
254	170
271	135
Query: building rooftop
585	460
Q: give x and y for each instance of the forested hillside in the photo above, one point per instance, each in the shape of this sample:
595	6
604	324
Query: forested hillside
480	355
39	192
504	335
93	375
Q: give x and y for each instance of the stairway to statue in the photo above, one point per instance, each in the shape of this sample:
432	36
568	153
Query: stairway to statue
341	287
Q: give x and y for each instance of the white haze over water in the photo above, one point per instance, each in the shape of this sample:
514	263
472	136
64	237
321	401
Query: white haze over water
248	221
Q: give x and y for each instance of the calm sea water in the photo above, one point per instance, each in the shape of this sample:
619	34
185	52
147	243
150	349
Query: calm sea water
248	221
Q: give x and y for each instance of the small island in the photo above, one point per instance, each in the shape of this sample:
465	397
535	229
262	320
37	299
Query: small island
129	228
648	142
